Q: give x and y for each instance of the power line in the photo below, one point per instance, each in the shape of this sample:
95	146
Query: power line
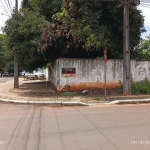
8	8
11	5
11	8
4	8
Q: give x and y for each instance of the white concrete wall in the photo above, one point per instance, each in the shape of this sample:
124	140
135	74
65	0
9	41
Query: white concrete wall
52	73
90	72
46	72
140	70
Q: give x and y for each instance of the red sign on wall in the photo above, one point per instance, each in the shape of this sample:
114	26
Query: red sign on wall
68	72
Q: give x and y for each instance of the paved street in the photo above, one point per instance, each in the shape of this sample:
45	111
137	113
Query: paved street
5	79
30	127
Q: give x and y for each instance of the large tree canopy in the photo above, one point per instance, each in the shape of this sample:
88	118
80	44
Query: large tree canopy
23	35
3	58
72	29
87	28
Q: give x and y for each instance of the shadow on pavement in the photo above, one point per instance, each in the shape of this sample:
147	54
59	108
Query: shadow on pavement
32	88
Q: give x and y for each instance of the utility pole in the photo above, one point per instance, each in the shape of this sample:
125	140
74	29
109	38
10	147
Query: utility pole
16	80
105	61
126	52
126	47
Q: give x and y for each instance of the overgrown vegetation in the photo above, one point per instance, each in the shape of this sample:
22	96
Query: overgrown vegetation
143	49
61	28
140	87
70	94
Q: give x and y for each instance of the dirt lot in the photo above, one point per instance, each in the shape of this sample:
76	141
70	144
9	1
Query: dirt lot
46	89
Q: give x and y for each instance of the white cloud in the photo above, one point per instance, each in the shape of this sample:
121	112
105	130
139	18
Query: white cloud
145	12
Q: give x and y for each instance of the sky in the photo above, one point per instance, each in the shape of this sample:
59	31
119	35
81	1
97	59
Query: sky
5	16
145	12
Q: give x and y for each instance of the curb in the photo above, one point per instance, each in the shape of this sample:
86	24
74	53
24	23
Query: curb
64	103
130	101
76	103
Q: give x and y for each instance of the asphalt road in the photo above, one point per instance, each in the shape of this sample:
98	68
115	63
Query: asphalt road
5	79
29	127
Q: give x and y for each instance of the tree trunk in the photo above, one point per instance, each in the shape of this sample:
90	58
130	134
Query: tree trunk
16	79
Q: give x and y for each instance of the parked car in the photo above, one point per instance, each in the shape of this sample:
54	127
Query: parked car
5	74
23	73
39	75
29	75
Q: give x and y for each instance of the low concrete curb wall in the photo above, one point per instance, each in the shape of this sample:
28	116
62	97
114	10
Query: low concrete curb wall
130	101
65	103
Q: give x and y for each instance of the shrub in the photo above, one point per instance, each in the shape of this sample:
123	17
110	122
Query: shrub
141	87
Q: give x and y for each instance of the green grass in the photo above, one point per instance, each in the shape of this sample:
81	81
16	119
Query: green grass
70	94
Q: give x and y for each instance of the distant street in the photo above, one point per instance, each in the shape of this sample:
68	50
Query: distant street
29	127
5	79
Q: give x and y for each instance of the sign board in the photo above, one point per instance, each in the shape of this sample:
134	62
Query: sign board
68	72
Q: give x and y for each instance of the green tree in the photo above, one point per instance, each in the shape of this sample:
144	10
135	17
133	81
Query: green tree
23	35
77	24
89	27
112	17
84	29
143	50
3	58
45	7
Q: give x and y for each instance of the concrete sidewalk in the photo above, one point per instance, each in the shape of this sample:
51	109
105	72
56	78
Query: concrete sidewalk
36	91
42	92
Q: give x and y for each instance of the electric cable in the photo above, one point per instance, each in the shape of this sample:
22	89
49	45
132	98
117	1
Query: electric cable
11	8
3	8
7	7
